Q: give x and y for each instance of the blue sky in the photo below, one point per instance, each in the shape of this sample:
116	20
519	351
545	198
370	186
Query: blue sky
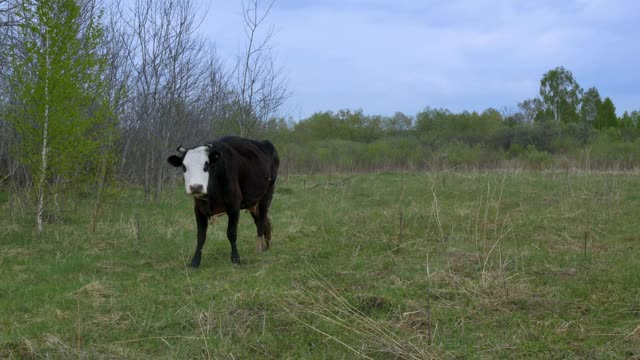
404	55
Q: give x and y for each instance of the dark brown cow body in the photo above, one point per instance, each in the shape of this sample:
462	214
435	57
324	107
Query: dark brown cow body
242	175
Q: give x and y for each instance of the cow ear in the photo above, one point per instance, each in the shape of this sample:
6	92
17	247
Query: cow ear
213	155
174	160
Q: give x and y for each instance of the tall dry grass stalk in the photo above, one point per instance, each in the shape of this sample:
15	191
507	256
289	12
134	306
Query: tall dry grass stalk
358	333
203	329
435	208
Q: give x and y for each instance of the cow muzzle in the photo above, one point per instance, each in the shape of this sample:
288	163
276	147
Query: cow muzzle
196	189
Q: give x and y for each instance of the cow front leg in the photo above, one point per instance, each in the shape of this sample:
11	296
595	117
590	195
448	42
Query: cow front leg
201	221
232	234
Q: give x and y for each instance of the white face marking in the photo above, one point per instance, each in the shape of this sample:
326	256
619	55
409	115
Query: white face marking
194	175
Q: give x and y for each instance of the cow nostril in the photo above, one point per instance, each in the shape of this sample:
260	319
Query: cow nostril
196	189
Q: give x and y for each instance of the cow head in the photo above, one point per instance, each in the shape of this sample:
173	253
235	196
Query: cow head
195	164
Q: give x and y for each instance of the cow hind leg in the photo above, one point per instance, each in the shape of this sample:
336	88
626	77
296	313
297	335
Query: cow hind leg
261	244
263	213
267	230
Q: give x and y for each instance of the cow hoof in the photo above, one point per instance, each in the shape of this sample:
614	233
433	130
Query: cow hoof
235	260
194	264
261	244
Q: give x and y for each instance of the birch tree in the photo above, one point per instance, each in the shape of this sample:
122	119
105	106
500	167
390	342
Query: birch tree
561	94
57	79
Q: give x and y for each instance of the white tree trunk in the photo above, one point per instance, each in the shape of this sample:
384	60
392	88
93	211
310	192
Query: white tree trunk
45	148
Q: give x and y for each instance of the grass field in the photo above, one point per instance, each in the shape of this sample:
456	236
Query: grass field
381	266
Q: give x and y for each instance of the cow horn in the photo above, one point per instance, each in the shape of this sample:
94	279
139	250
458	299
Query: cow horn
180	149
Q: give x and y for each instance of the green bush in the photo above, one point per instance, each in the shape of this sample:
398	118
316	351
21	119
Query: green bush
536	159
608	154
458	154
564	145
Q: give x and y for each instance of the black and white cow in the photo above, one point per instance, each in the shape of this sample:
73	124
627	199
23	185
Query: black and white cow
225	176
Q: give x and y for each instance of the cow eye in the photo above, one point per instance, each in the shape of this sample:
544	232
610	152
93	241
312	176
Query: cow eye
206	166
184	168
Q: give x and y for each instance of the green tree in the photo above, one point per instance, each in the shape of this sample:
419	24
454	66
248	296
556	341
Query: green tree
560	94
319	126
432	119
590	105
606	115
530	109
635	118
626	121
59	111
397	123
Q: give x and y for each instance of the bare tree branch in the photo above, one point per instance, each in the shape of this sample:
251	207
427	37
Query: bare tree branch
261	86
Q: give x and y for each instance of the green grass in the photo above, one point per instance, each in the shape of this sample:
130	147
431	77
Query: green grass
382	266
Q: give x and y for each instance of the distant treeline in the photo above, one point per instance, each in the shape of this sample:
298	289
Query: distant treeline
438	138
564	127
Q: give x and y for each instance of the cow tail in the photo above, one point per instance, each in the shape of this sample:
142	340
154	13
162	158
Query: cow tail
275	161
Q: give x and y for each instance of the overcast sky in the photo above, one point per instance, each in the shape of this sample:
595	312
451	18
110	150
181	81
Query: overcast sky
384	56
